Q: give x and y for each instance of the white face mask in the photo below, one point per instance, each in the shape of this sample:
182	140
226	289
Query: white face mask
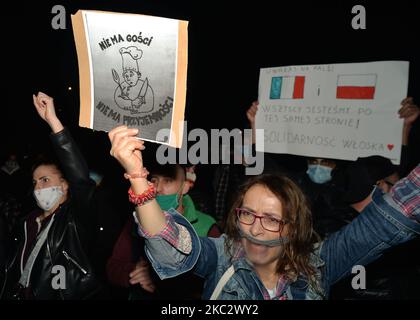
10	166
48	197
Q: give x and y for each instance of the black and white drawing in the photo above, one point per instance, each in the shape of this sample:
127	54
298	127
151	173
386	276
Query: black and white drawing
133	92
132	72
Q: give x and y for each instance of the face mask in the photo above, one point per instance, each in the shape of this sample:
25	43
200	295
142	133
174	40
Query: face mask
10	166
48	197
168	201
318	173
191	177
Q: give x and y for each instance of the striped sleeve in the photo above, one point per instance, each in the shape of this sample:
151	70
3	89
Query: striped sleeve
406	194
174	233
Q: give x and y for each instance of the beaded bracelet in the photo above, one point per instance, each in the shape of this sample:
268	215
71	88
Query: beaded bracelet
141	199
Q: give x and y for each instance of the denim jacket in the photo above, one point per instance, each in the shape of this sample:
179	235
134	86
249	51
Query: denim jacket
380	226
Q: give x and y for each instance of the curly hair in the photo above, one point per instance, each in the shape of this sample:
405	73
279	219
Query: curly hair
294	259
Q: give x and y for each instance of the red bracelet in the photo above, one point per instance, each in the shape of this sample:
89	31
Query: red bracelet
141	199
142	174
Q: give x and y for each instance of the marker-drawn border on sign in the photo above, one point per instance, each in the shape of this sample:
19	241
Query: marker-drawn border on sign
356	86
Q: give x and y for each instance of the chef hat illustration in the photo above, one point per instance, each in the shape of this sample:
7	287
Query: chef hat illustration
130	55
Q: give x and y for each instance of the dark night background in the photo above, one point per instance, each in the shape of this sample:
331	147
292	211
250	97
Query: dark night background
228	43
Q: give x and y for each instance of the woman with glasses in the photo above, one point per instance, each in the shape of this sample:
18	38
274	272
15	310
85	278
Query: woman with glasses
269	250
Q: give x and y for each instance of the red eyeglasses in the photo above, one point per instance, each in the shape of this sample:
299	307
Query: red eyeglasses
267	222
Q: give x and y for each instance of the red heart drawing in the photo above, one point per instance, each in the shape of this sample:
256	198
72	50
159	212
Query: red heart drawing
390	147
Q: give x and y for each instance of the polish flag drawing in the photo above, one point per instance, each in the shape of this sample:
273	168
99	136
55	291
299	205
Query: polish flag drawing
287	87
356	86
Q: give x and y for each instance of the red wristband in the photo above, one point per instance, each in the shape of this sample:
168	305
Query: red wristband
141	199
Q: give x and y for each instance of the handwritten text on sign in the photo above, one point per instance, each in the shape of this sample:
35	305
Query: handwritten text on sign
341	111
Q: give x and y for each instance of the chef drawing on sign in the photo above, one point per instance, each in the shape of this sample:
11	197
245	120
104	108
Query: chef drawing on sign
132	94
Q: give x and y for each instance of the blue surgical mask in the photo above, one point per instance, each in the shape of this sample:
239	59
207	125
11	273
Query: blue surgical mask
318	173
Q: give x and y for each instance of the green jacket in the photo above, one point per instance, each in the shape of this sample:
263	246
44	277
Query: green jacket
200	221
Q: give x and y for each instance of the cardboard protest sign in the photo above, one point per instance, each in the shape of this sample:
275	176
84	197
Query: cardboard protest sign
340	111
132	71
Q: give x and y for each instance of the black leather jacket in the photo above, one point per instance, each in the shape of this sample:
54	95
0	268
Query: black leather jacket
68	239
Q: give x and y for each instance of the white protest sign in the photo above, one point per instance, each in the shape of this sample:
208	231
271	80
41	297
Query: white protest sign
133	72
340	111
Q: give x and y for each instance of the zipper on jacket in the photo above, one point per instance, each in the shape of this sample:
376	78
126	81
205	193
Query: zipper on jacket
74	262
8	265
52	263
